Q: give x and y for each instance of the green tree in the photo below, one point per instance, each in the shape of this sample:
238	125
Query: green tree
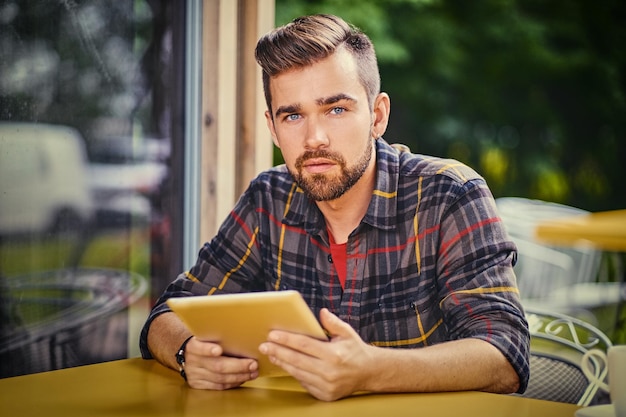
528	92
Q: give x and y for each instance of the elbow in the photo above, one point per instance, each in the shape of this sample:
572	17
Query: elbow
510	385
507	381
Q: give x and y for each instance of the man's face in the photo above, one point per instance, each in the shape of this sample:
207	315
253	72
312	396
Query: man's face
323	125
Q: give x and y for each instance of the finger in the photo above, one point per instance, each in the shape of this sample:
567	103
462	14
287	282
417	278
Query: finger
203	383
300	356
208	355
201	348
207	368
334	325
306	345
302	367
221	372
224	365
312	378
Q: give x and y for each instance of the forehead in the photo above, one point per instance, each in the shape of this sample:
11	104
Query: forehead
336	74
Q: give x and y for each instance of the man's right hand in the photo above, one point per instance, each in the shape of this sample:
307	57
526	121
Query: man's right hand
207	368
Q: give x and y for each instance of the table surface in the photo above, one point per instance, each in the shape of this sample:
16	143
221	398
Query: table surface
137	387
604	230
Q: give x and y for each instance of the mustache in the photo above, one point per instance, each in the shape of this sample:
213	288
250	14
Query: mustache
320	153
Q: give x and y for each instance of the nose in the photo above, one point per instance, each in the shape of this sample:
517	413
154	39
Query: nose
316	135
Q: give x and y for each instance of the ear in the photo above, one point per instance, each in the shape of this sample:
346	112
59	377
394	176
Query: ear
380	112
270	126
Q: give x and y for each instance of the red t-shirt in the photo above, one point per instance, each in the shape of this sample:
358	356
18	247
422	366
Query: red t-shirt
338	253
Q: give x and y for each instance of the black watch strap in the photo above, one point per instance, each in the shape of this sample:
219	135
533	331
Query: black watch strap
180	358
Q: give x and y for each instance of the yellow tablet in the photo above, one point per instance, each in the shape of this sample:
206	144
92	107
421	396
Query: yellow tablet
241	322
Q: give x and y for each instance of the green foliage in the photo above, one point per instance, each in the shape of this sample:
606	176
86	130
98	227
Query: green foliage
528	92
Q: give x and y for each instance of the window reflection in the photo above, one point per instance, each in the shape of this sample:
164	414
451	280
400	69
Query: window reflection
43	172
89	117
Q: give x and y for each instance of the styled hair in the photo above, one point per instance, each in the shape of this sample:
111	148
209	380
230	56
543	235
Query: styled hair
309	39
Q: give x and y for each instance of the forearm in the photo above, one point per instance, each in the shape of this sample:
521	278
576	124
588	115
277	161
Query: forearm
165	336
468	364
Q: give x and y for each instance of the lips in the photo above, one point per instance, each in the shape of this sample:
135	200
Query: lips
318	165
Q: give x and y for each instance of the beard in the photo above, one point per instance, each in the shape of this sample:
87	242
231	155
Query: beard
327	187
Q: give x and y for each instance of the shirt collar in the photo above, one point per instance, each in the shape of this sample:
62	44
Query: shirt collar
382	209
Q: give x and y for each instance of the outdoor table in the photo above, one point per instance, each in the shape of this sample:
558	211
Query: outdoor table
136	388
604	230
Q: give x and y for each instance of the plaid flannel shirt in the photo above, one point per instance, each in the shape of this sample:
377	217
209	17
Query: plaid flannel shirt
429	262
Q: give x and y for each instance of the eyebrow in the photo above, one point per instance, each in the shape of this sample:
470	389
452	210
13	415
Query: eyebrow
334	99
324	101
291	108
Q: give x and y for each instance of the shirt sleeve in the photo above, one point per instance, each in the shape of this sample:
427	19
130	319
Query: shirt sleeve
477	284
229	263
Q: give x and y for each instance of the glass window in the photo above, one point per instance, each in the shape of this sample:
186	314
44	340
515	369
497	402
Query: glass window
91	131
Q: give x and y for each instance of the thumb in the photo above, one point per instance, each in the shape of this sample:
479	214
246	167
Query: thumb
334	326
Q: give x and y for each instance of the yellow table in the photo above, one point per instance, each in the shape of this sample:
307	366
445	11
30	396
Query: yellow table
604	230
136	388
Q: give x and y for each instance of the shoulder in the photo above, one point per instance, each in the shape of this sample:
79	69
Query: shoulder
412	165
426	166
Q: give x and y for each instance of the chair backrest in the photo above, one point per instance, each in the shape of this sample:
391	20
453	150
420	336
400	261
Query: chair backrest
543	268
558	343
540	270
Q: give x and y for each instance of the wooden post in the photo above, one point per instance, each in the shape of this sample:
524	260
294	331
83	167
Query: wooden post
236	144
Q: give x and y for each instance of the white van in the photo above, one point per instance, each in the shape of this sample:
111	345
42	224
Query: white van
43	179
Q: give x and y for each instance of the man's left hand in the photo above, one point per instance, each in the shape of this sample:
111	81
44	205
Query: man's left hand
327	370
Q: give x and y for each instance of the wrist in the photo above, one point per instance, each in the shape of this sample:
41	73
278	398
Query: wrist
180	358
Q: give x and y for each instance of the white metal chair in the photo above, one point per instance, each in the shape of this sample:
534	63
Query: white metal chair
558	343
540	270
558	278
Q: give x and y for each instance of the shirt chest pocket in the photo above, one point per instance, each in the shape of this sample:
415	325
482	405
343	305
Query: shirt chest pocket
406	323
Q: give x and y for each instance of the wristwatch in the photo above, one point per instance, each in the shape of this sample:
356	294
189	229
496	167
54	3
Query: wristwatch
180	358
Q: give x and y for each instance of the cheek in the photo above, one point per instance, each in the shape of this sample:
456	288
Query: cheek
353	143
290	153
290	141
354	131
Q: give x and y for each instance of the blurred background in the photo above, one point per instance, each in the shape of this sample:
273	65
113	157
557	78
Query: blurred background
530	93
90	132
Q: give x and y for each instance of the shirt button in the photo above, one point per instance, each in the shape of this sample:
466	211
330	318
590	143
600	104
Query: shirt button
330	259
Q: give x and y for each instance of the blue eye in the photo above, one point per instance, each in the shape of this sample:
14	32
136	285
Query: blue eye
292	117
